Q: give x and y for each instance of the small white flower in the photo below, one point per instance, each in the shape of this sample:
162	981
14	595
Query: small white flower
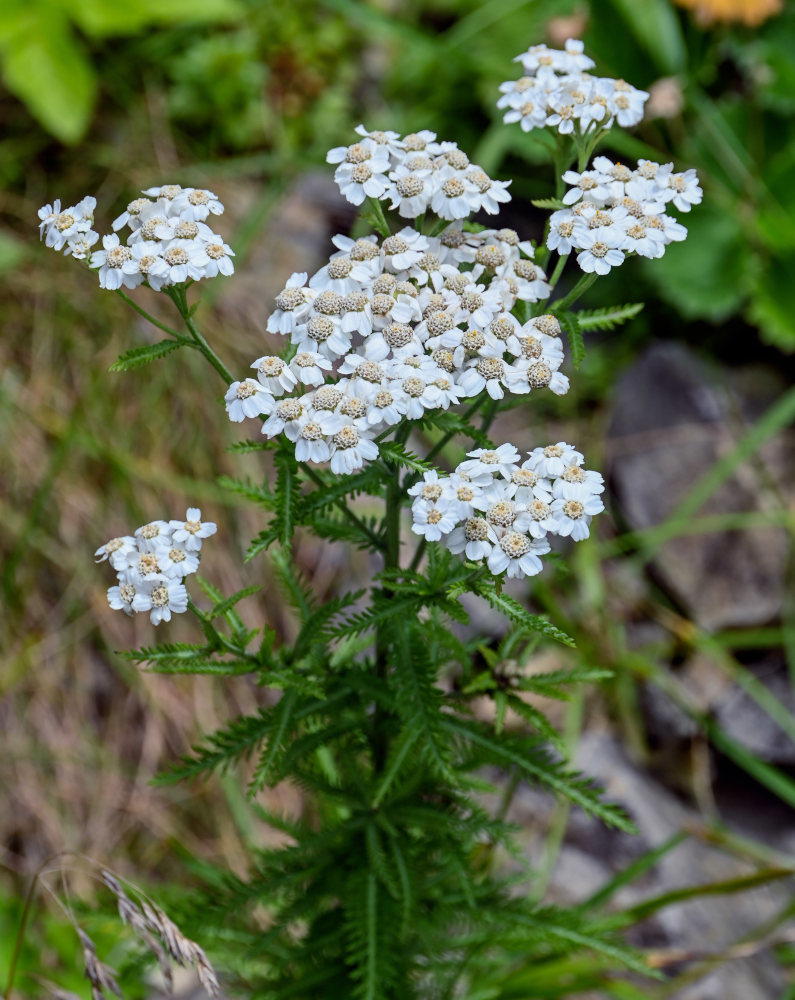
684	190
475	538
526	485
410	191
166	597
490	461
177	562
79	245
146	264
309	367
530	111
640	239
402	250
574	515
274	374
517	556
574	480
150	536
539	518
143	567
432	521
154	223
491	193
47	216
350	450
218	258
322	334
588	185
129	597
184	259
166	192
247	399
600	252
455	198
387	142
197	204
552	460
110	261
116	551
312	444
491	374
285	418
131	214
292	305
462	494
359	181
190	532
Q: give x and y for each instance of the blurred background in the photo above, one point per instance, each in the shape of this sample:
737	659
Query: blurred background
686	591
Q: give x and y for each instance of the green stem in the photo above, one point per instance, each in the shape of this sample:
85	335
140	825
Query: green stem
582	286
379	219
394	497
148	317
561	157
178	296
209	353
555	277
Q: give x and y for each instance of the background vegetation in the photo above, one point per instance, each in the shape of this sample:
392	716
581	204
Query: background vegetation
245	98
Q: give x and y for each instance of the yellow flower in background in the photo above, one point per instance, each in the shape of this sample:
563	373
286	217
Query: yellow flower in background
750	12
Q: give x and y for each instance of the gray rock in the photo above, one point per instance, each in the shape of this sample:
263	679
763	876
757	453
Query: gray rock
591	855
672	420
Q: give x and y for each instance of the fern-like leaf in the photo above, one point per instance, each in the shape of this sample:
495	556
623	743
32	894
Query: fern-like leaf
140	356
248	490
513	609
397	454
282	718
551	204
534	763
609	317
571	325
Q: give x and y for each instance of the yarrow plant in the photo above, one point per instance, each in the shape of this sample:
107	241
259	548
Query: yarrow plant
414	334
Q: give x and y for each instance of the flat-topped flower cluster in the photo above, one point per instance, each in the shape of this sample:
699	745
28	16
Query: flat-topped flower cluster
495	509
557	91
152	564
169	242
416	174
616	211
389	329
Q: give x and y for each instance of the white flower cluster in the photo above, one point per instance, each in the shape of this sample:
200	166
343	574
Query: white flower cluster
615	212
557	90
398	327
69	229
169	241
152	564
494	508
416	174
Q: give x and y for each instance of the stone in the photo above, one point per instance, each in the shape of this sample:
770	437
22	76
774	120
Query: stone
672	419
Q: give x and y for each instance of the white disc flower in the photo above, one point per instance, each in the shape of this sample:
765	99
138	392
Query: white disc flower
191	532
247	399
517	556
